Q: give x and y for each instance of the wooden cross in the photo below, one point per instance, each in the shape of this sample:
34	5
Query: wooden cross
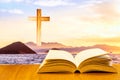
38	20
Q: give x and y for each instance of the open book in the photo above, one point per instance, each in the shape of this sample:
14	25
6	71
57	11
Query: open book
85	61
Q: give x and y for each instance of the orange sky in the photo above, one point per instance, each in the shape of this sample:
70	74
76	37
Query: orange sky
86	24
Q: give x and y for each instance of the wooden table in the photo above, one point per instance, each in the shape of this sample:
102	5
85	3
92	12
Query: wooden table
28	72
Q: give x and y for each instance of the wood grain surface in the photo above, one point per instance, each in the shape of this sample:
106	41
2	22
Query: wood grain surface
29	72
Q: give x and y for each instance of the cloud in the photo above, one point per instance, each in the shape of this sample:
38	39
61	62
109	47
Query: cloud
7	1
15	11
52	3
47	3
12	11
104	11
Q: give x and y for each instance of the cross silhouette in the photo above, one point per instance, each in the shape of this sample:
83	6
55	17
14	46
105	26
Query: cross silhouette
38	20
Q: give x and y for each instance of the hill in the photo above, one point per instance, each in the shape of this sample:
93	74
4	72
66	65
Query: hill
113	49
45	47
54	45
32	48
108	48
16	48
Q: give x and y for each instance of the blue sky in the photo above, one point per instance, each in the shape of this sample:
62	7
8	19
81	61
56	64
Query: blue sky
73	22
28	6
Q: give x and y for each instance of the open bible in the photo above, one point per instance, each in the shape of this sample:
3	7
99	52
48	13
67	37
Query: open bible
85	61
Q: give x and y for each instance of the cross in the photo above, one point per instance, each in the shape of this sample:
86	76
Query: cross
38	20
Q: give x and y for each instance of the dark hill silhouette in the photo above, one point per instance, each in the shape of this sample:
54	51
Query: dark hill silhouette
16	48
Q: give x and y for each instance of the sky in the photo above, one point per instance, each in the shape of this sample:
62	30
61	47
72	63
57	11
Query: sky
72	22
